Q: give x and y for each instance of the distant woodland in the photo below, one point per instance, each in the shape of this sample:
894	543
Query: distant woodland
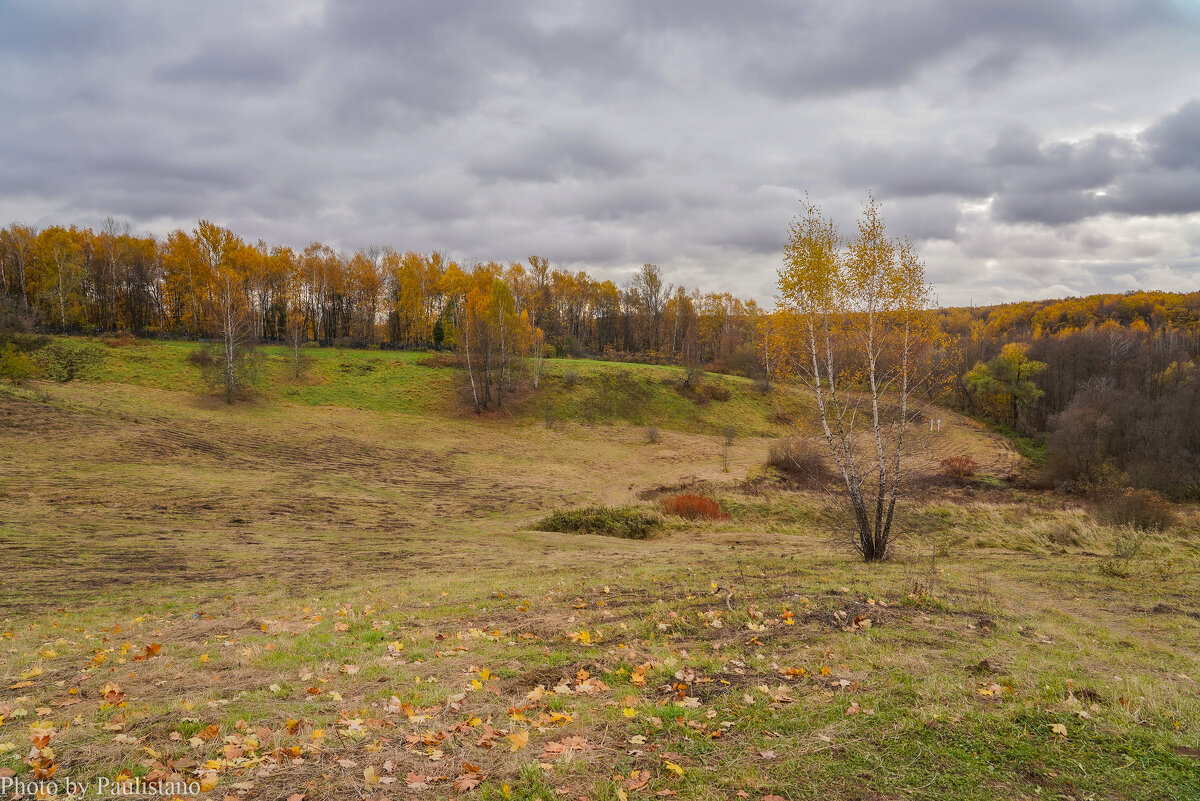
1106	385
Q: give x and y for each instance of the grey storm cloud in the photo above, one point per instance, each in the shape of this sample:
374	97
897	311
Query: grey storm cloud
1148	173
1028	147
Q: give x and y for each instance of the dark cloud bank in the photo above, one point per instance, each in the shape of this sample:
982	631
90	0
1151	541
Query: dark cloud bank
1032	148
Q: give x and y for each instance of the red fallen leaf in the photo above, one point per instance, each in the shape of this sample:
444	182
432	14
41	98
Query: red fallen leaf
772	798
416	781
296	797
7	773
209	732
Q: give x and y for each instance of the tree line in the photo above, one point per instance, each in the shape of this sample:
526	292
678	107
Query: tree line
84	280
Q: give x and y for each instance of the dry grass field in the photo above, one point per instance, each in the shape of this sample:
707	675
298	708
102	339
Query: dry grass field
337	590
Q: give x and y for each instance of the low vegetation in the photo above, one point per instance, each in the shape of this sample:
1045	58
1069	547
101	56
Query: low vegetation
960	468
800	460
690	506
627	522
1145	510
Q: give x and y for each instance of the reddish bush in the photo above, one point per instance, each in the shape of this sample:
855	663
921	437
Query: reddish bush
694	507
960	467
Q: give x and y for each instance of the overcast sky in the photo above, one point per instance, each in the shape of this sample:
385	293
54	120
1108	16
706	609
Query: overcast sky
1033	148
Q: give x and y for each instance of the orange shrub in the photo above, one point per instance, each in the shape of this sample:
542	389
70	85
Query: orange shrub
960	467
694	507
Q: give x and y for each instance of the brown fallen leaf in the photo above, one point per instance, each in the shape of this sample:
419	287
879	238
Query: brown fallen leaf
468	781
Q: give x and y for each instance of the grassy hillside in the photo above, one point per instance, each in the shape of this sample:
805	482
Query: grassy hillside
338	589
410	382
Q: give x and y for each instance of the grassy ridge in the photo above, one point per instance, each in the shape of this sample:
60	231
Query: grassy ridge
574	390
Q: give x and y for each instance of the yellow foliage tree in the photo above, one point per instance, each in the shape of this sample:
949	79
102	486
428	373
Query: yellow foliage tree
854	328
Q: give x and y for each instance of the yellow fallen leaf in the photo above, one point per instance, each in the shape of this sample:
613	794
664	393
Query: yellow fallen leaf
519	739
1059	729
629	712
671	766
208	781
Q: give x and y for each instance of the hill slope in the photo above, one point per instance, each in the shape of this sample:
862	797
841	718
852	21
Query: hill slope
256	583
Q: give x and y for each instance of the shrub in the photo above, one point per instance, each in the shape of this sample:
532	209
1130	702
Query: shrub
762	386
570	379
652	434
781	416
201	357
795	458
628	522
117	339
65	360
960	467
1143	510
1127	546
442	359
716	390
16	366
694	507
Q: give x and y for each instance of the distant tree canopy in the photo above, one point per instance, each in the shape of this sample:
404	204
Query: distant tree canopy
1111	382
79	279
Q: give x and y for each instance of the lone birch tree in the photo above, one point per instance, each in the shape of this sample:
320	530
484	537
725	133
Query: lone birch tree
856	330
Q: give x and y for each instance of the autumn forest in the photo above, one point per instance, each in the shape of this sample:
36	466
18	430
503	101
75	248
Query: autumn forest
1107	381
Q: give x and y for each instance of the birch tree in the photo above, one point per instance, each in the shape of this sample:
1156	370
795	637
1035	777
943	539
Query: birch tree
857	333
